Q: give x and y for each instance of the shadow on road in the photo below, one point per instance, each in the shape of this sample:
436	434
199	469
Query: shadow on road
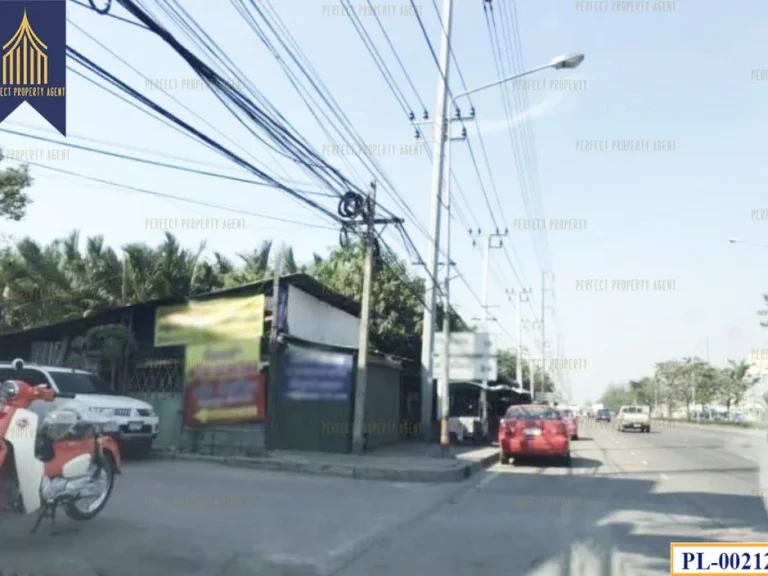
619	516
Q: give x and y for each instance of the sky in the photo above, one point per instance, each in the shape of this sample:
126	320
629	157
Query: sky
650	149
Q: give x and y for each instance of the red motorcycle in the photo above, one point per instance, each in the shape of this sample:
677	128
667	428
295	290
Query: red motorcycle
66	460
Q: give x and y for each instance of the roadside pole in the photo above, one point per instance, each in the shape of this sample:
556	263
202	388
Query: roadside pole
272	383
486	277
361	386
521	298
543	341
433	252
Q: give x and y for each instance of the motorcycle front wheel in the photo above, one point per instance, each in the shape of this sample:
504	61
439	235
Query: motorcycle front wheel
84	509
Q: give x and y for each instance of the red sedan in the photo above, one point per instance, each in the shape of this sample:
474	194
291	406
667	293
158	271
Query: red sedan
571	423
533	430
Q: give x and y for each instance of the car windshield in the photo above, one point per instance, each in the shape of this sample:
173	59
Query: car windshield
79	383
566	413
603	412
633	410
29	375
532	413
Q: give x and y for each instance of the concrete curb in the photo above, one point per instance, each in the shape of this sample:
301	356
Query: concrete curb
464	470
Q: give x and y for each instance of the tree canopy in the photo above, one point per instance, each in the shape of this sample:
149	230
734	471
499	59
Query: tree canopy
74	277
681	383
13	198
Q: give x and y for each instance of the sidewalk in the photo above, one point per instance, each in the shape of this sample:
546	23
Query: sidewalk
404	462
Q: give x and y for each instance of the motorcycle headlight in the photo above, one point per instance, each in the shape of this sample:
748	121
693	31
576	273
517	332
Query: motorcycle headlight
9	389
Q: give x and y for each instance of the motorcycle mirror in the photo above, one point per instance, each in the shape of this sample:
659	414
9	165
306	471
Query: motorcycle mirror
18	364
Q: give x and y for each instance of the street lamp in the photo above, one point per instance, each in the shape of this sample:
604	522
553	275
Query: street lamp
564	62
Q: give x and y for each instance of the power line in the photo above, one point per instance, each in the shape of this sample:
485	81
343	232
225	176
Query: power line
156	162
222	207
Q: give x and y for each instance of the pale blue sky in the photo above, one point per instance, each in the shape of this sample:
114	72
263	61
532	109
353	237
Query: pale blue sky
684	76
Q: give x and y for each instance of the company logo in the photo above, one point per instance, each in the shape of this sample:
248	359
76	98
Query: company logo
34	39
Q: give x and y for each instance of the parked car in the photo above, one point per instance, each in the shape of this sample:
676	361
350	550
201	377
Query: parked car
533	430
603	415
136	420
634	417
571	423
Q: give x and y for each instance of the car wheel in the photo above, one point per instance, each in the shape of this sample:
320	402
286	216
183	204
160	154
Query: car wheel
567	460
503	457
647	429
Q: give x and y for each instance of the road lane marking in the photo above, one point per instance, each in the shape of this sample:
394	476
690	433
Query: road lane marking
643	462
633	454
664	477
487	480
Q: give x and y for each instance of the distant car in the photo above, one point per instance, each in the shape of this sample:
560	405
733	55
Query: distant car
603	415
571	423
533	430
634	417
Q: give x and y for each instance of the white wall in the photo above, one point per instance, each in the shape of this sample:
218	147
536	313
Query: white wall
314	320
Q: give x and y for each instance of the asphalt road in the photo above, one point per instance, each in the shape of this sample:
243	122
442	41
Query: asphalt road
614	512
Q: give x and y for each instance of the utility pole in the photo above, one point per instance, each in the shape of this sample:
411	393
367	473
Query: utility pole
361	387
543	322
444	386
522	297
430	292
351	207
274	376
489	245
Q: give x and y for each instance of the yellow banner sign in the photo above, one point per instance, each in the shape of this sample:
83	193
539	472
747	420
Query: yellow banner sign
222	359
223	383
210	321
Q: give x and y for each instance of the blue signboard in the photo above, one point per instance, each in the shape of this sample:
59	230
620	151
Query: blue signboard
316	375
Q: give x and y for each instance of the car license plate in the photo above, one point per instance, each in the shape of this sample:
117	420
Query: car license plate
134	426
533	431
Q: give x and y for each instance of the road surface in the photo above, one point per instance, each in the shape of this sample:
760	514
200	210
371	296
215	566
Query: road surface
614	513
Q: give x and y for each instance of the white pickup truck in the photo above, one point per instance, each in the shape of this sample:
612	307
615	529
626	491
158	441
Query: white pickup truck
635	417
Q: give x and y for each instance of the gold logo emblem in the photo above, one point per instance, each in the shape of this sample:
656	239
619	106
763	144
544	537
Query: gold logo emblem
25	58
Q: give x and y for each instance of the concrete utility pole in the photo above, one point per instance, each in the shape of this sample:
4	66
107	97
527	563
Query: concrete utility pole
444	387
544	291
358	438
522	297
430	291
564	62
274	377
489	245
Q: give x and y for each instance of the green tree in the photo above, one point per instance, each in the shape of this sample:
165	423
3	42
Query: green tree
396	298
13	199
734	383
507	360
642	391
616	396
